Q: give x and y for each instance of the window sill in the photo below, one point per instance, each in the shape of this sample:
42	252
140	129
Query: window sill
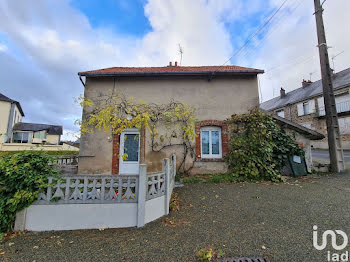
211	160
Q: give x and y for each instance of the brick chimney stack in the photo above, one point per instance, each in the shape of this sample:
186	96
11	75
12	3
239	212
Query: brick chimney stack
175	63
306	83
282	92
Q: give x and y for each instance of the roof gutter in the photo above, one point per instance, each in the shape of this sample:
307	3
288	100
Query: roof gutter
169	73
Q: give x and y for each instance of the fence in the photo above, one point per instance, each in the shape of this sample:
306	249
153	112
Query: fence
66	164
66	160
87	202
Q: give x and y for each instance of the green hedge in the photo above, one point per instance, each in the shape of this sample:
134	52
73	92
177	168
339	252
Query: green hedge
50	153
23	176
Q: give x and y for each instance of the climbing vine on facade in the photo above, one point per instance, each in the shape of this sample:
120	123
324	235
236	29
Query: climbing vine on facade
170	124
258	147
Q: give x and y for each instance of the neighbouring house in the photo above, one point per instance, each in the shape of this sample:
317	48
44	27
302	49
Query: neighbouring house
17	135
305	106
31	133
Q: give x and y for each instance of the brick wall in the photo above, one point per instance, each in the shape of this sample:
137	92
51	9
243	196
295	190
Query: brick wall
115	158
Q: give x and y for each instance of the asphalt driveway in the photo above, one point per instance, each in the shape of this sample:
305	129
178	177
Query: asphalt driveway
268	220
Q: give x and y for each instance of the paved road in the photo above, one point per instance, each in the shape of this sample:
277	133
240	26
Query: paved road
270	220
323	154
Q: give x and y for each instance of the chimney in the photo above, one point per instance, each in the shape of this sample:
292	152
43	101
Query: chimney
175	63
306	83
170	63
283	92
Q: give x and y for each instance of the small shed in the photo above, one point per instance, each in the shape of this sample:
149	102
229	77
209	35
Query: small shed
303	136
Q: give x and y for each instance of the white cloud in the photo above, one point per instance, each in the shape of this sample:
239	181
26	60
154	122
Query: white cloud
55	41
70	135
3	47
193	24
290	51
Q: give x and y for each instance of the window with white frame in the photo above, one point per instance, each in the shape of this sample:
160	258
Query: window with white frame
306	108
280	113
211	142
40	134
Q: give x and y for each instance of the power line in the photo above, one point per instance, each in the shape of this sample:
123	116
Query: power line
292	62
269	33
257	32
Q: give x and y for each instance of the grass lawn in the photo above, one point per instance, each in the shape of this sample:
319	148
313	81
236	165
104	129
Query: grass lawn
242	219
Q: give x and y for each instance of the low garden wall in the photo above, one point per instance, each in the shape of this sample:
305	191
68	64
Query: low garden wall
93	202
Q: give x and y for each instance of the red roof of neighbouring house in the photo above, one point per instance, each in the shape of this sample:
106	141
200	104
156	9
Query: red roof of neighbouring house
171	70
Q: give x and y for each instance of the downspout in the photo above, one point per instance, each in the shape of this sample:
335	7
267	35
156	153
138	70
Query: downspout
10	123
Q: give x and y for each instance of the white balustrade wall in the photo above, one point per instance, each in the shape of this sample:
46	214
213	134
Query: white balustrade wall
88	202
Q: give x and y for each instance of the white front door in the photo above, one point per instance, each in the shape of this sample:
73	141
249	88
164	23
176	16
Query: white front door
129	155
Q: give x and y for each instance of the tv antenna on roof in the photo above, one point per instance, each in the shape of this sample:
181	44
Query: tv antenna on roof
335	57
311	74
181	51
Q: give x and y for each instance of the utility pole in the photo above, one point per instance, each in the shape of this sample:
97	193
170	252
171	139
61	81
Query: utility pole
334	139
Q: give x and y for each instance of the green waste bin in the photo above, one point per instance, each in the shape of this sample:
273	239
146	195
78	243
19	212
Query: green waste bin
298	165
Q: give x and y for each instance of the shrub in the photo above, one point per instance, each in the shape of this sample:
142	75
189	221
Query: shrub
22	177
259	147
51	153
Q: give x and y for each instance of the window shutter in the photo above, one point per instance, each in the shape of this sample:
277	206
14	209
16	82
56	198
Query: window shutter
320	102
312	106
300	109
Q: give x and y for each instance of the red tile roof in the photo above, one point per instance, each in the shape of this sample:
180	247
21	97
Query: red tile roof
170	70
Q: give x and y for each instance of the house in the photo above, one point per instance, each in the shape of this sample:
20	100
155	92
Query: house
305	106
31	133
216	92
17	135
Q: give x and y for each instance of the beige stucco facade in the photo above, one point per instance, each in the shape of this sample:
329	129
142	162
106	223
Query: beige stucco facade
8	119
5	108
53	139
17	116
215	99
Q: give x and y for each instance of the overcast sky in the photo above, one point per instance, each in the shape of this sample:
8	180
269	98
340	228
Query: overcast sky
44	43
